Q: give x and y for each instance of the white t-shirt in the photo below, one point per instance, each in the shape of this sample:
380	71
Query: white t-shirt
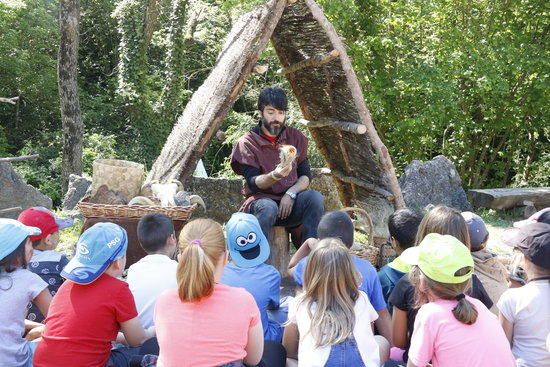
310	356
17	289
147	279
528	308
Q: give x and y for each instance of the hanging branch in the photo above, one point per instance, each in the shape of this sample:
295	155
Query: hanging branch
12	100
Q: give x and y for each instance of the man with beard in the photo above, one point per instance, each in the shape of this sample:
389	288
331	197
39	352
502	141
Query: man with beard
277	195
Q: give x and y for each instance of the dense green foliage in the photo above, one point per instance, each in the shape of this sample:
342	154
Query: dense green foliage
466	79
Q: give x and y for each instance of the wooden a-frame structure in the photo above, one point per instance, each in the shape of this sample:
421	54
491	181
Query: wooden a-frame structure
315	62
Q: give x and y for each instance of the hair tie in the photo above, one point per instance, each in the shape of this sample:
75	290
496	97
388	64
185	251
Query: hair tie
196	242
460	296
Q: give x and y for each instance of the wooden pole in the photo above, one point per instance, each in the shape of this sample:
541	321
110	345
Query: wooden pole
312	62
21	158
350	127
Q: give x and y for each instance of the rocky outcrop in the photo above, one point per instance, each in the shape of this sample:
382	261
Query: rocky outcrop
433	182
78	186
16	193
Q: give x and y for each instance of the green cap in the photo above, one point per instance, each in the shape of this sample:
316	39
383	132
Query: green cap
440	257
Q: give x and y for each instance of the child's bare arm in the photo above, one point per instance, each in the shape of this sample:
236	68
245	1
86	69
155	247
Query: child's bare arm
291	338
399	328
255	346
42	301
383	324
302	252
134	333
507	326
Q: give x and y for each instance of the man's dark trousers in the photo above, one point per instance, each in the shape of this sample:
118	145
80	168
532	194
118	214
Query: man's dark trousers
307	210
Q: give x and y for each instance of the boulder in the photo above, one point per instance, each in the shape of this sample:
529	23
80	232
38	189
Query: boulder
433	182
78	186
223	197
16	193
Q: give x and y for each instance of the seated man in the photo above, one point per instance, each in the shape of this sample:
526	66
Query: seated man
276	194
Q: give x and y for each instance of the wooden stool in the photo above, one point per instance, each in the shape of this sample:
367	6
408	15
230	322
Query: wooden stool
280	249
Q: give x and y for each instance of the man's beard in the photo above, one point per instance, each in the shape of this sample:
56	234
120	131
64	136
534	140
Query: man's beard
273	130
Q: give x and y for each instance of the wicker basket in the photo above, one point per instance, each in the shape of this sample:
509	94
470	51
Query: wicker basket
91	210
376	255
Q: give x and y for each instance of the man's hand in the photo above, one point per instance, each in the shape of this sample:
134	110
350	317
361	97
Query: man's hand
282	171
285	206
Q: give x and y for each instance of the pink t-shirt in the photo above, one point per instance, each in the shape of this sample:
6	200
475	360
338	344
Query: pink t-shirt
211	332
442	339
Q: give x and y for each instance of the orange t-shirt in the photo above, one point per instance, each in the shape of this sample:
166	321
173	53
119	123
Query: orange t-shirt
210	332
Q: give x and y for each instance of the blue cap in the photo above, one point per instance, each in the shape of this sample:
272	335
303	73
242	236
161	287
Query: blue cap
246	242
96	249
12	234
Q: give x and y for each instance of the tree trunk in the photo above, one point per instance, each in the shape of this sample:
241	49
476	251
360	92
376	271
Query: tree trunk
67	71
209	105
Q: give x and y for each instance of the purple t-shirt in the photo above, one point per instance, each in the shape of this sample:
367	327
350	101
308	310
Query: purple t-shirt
440	338
370	283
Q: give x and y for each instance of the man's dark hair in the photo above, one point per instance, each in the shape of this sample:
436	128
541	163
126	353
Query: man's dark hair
153	230
273	96
336	224
403	225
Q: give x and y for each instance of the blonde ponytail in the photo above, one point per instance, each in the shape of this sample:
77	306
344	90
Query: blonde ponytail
201	245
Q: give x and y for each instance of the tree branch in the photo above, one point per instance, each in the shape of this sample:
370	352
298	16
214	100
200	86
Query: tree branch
12	100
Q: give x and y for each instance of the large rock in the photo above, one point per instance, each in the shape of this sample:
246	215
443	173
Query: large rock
78	186
433	182
223	197
15	192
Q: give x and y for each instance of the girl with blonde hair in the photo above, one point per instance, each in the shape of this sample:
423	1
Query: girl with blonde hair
330	323
202	322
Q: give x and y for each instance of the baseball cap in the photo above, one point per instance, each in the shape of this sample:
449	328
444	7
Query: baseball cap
476	228
246	241
44	219
540	216
533	240
96	249
12	233
440	257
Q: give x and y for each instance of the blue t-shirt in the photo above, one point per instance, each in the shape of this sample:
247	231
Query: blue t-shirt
263	282
388	279
370	283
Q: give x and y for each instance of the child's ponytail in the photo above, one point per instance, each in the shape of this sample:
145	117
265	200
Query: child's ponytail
201	245
464	311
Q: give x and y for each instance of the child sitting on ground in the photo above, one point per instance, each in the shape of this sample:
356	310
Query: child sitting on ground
18	287
92	306
204	322
403	226
338	224
451	328
156	272
490	271
445	221
524	312
46	262
249	249
330	323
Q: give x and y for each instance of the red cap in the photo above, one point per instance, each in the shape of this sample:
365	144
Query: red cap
45	220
